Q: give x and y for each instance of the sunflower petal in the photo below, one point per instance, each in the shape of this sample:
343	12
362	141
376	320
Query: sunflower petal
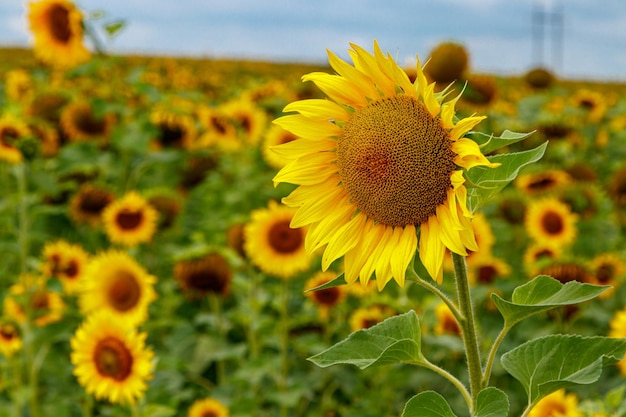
304	127
464	125
349	72
404	253
431	249
338	89
469	154
301	147
343	240
308	170
366	62
318	109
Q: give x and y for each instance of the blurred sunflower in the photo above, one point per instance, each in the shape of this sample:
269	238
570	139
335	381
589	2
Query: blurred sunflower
111	359
235	238
87	205
18	85
326	298
30	300
485	269
47	104
617	327
57	27
446	323
115	282
366	317
12	130
536	183
566	271
537	255
207	407
10	337
617	187
47	136
219	130
174	130
275	136
247	117
209	274
557	404
65	261
607	269
130	220
80	123
550	221
272	244
593	103
168	205
377	161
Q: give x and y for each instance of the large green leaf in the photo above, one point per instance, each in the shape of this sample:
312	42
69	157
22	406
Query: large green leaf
549	363
483	182
542	294
490	143
427	404
491	402
396	339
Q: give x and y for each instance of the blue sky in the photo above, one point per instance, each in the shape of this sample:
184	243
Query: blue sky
496	33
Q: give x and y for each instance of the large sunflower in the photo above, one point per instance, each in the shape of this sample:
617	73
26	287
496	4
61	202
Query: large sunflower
557	404
379	160
114	281
130	220
57	26
551	221
207	407
272	245
110	358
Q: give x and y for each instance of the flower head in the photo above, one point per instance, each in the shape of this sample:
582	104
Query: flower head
130	220
207	407
380	159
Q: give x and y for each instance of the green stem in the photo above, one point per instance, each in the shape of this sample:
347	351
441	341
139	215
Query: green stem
447	375
492	355
22	238
88	406
254	309
216	307
426	284
284	342
468	326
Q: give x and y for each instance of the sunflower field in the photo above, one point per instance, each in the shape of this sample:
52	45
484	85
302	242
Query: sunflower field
205	238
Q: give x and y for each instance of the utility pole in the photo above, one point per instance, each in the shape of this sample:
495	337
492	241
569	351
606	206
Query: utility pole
553	20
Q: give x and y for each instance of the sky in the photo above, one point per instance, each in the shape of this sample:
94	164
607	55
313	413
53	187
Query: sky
587	39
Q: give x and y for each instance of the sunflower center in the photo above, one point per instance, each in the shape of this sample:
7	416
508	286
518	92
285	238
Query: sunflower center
328	296
487	274
211	275
552	223
284	239
94	201
209	413
395	161
124	291
59	18
171	135
129	219
113	359
8	331
71	271
605	273
87	123
9	136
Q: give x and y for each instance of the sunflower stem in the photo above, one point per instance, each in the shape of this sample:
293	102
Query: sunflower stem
492	355
468	326
426	284
22	238
284	342
447	375
216	307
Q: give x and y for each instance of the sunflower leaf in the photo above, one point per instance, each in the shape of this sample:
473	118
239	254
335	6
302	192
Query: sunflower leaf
484	182
394	340
490	143
335	282
427	404
541	294
492	402
549	363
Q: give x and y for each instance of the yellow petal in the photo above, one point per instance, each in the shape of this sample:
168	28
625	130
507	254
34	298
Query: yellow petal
465	125
431	249
384	262
343	240
366	62
315	210
308	170
320	233
304	127
370	246
404	253
449	233
318	109
363	82
338	89
301	147
469	154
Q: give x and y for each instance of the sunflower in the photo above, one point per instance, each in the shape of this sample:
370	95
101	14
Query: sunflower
110	358
607	269
250	120
551	221
130	220
557	404
207	407
272	244
380	159
235	238
12	130
10	337
115	282
366	317
446	323
87	205
593	103
537	255
57	27
219	130
168	205
175	130
30	300
327	298
210	274
485	269
67	262
533	184
47	136
617	187
275	136
566	271
18	85
80	123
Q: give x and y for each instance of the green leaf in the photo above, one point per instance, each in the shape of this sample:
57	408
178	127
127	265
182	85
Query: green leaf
394	340
541	294
427	404
491	402
112	28
335	282
484	182
550	363
490	143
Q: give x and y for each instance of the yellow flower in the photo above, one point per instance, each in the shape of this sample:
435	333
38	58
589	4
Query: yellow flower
551	221
617	327
174	129
557	404
210	274
207	407
541	182
57	26
378	160
10	338
607	269
67	262
366	317
19	85
250	119
87	205
110	358
272	245
275	136
29	299
485	269
446	322
327	298
12	130
130	220
115	282
219	130
79	123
